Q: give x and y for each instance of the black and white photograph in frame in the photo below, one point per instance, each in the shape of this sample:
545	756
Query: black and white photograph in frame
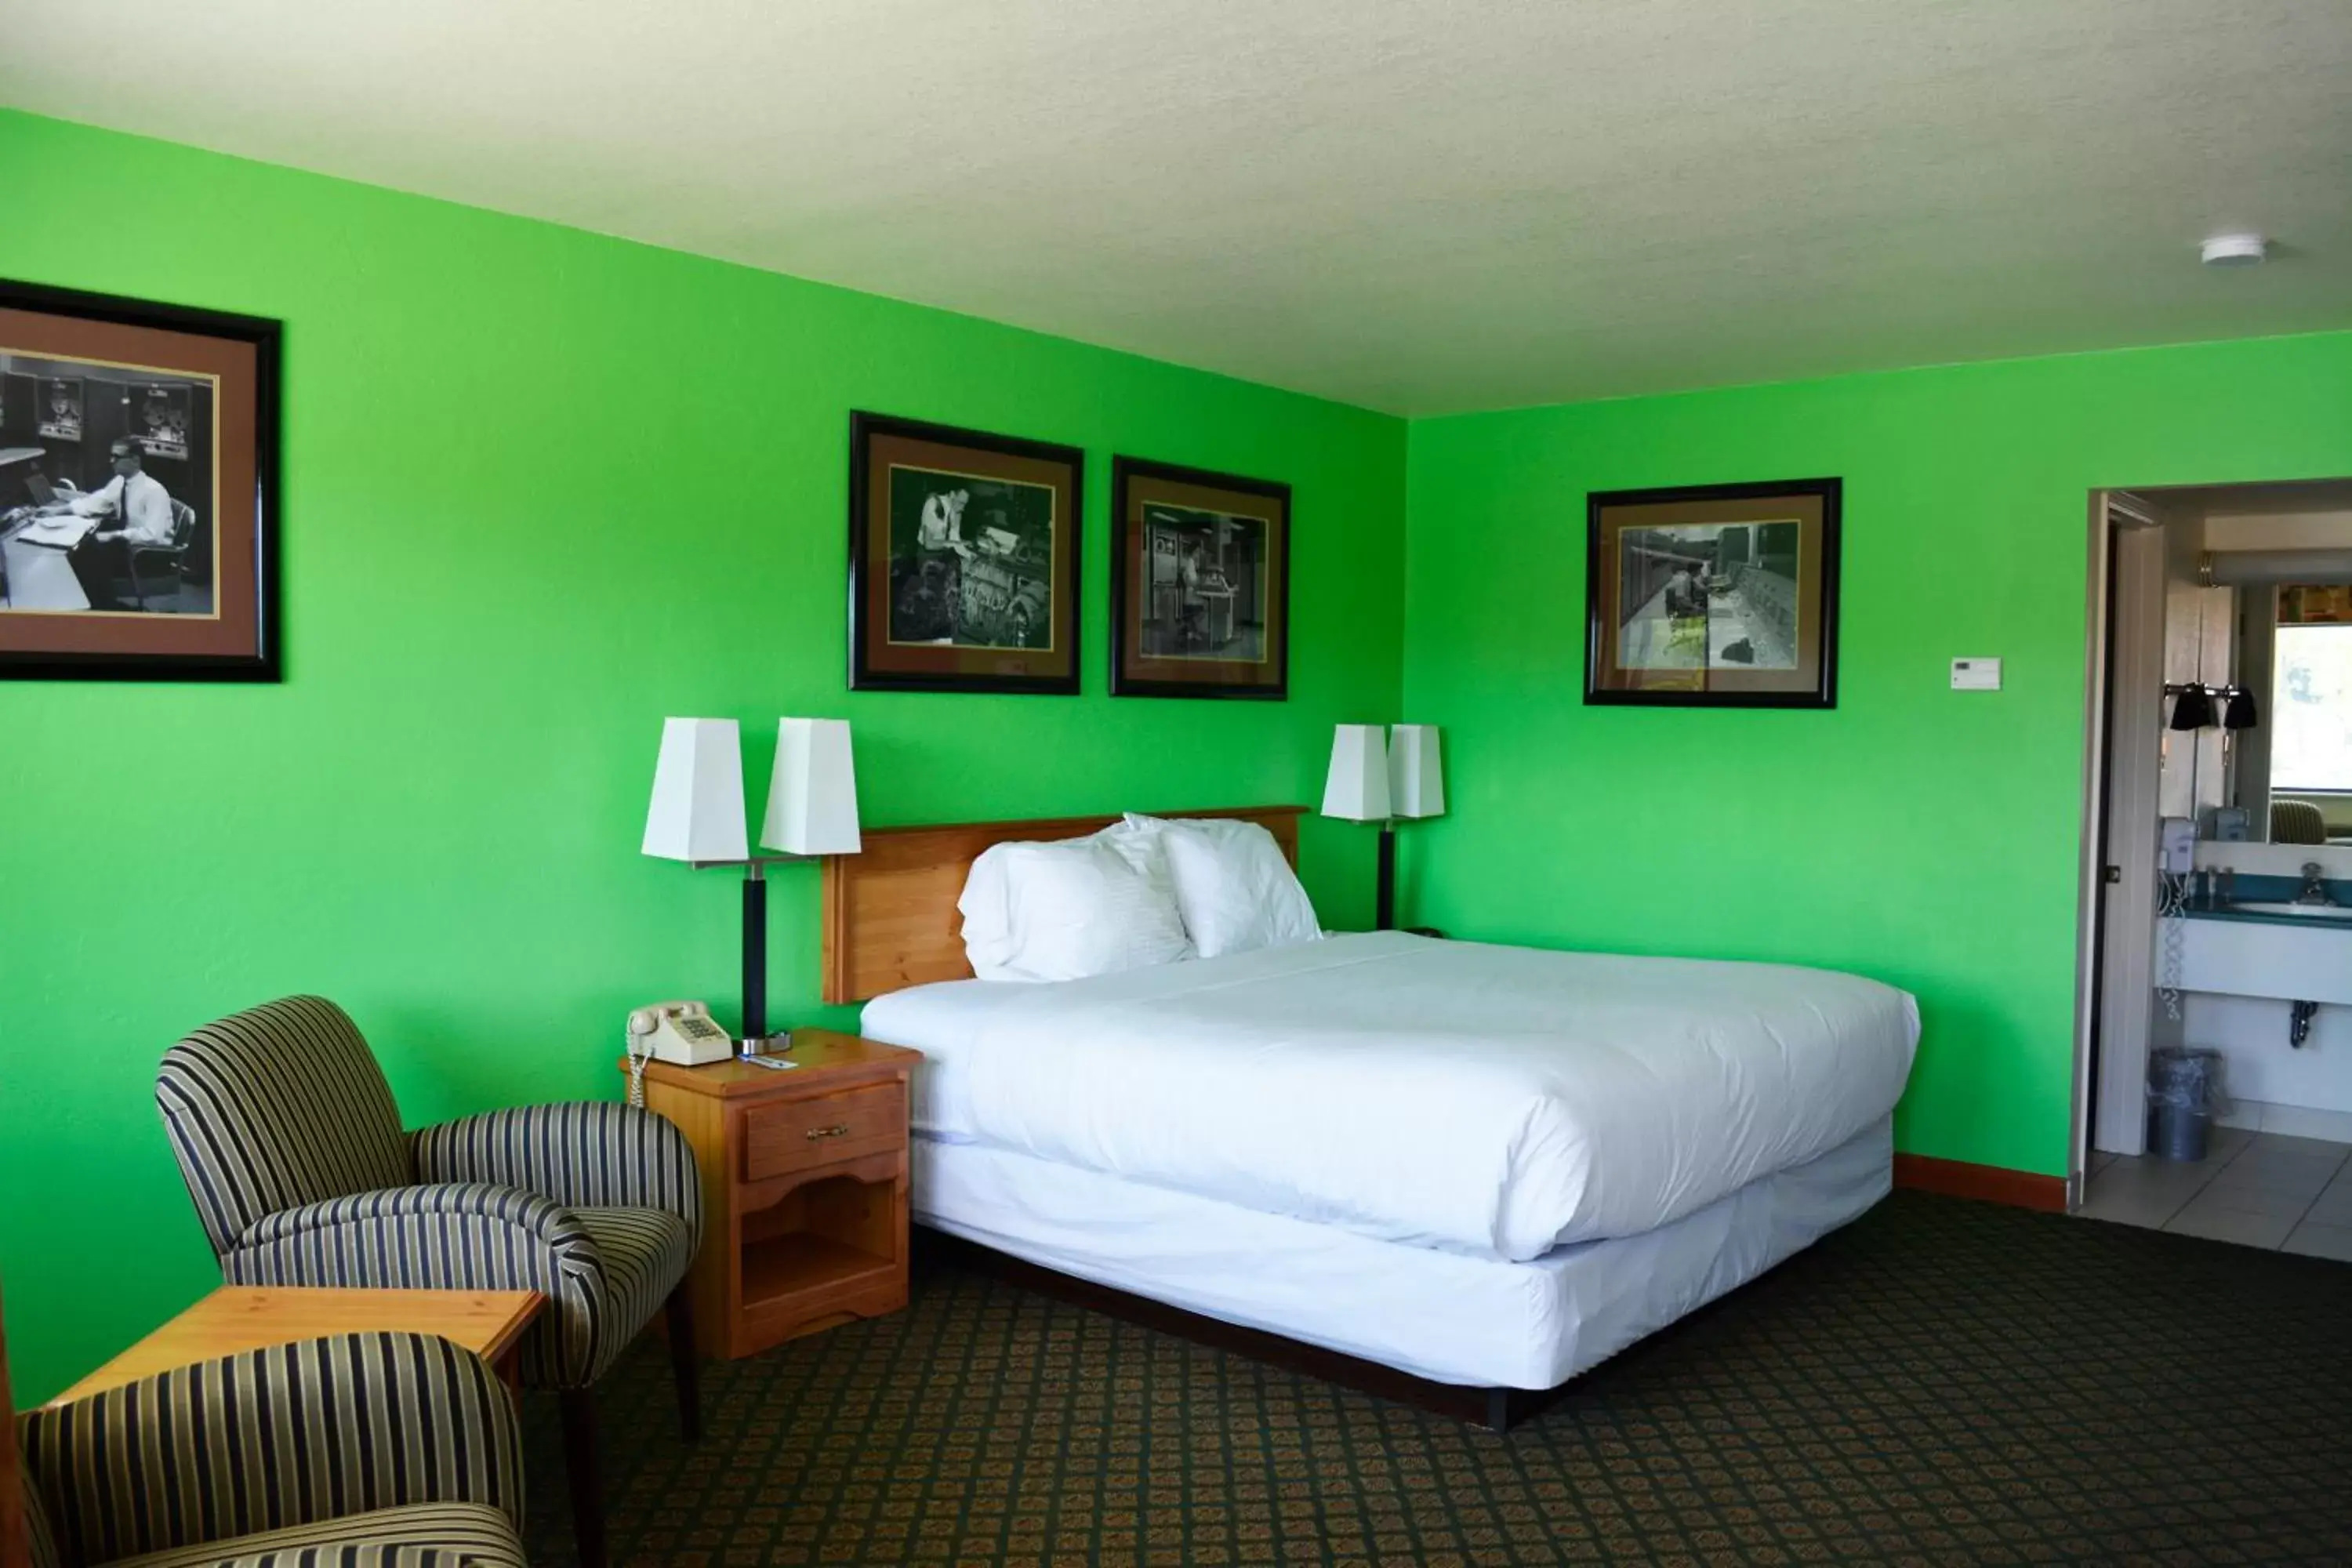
1714	596
963	560
132	538
138	458
971	560
1200	585
1204	584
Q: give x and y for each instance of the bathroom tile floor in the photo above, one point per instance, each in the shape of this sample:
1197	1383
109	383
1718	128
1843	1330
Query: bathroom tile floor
2257	1189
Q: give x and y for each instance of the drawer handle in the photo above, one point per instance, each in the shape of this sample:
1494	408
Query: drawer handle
838	1129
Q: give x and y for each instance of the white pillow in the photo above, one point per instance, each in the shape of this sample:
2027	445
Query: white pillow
1067	909
1234	888
986	905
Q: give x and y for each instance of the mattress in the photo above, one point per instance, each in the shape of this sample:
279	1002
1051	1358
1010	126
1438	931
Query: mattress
1436	1314
1496	1101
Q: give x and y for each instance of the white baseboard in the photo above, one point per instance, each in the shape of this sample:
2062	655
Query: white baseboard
2294	1120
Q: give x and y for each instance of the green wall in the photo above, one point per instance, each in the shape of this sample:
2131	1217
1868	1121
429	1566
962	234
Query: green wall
540	489
1925	836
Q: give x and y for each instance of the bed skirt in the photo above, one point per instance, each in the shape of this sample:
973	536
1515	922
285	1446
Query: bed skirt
1443	1316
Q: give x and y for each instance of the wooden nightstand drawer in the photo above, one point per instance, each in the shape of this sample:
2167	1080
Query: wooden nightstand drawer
824	1131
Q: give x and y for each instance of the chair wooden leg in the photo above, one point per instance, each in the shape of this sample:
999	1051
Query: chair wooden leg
685	1365
580	1464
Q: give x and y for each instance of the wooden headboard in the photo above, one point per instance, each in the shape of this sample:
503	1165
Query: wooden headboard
890	918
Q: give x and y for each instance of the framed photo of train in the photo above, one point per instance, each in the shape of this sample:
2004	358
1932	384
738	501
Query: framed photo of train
1713	595
1199	588
138	489
963	560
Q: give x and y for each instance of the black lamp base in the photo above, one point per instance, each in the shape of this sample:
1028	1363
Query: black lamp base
755	959
1385	903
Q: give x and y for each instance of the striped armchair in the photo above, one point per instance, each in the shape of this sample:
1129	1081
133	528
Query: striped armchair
2297	822
293	1149
357	1451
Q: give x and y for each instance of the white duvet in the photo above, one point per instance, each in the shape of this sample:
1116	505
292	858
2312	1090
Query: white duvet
1501	1100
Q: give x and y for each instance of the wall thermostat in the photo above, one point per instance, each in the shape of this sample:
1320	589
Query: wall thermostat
1976	675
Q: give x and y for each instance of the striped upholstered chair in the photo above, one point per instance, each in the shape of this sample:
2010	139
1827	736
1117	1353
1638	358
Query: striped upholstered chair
364	1450
293	1151
2297	822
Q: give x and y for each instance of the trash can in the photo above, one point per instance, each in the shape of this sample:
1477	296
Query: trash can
2184	1094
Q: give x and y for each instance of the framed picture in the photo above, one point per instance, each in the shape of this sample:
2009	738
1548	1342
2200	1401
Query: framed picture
963	560
138	491
1713	595
1200	589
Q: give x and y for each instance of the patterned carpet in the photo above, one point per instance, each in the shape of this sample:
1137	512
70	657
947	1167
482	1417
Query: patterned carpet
1943	1381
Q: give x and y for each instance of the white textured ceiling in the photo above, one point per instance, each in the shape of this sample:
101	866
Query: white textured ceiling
1418	206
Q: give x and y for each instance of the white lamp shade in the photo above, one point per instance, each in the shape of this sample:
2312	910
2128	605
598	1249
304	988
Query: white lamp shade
1358	785
1416	783
698	805
813	794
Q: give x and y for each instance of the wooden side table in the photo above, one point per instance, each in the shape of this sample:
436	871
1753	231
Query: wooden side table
238	1318
804	1185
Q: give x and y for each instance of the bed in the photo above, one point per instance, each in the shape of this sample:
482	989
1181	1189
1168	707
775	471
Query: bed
1456	1172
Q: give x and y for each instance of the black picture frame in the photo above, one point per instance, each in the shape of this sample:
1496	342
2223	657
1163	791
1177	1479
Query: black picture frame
1811	629
142	343
1014	463
1135	669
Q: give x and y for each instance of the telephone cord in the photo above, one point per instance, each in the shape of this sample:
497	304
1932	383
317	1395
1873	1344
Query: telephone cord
2172	922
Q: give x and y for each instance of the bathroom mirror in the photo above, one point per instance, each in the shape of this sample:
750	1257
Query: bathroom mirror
2309	744
2258	612
2287	778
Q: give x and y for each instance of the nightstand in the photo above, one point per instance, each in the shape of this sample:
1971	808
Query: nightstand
803	1186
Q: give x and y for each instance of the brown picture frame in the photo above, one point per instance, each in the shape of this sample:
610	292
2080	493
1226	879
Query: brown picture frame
193	397
1713	595
1200	589
963	560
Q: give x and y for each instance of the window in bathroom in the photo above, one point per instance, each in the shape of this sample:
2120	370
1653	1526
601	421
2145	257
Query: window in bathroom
2311	709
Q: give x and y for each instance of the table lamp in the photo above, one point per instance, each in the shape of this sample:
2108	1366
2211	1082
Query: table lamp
1357	790
1416	781
1377	780
697	816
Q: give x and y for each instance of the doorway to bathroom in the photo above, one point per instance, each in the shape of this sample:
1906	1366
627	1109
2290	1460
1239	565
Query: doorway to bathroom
2215	995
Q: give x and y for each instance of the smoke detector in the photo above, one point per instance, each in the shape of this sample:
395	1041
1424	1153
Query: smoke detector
2234	250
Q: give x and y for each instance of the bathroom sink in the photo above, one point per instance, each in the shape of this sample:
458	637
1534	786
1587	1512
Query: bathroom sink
2270	947
2310	912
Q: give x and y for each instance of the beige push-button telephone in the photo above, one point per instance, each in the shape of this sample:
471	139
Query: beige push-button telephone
678	1032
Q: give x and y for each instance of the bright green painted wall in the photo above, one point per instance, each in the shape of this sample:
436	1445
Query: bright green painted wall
1925	836
543	488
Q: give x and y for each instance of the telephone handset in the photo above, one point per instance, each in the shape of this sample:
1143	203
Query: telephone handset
678	1032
